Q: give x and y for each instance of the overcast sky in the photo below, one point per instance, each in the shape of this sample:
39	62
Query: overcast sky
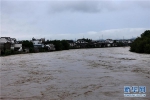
73	19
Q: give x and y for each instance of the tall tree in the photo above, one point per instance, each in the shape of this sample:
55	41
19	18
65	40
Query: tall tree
141	44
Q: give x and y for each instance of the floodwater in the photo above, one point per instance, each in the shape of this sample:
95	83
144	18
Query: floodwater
81	74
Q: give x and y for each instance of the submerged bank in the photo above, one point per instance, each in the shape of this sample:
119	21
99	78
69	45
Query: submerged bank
11	52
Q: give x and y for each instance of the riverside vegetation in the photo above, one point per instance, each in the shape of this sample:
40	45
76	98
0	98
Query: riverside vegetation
141	44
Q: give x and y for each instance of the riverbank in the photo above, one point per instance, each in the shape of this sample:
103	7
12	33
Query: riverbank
9	54
85	74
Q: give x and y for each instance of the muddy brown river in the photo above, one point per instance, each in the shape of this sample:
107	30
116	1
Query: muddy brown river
81	74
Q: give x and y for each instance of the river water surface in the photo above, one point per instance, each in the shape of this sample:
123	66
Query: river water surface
81	74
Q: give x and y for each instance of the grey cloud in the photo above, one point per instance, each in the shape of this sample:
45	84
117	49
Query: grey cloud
80	6
73	6
38	18
95	6
88	6
144	4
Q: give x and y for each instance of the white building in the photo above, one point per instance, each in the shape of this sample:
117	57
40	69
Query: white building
38	43
12	41
51	47
109	41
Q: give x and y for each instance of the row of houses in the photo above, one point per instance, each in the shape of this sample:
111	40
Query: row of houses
82	43
40	43
13	44
10	44
7	43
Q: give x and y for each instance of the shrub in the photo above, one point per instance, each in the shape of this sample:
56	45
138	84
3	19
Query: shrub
65	45
31	50
147	48
7	52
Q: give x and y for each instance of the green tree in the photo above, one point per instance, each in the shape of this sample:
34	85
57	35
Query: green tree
7	52
58	45
147	48
65	45
27	44
146	34
141	44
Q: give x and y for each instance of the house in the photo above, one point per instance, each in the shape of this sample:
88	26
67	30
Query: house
81	43
71	43
13	40
5	44
51	47
10	44
18	47
122	41
109	42
38	43
5	39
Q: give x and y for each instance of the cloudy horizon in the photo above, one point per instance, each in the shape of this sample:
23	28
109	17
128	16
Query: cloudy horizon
75	19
